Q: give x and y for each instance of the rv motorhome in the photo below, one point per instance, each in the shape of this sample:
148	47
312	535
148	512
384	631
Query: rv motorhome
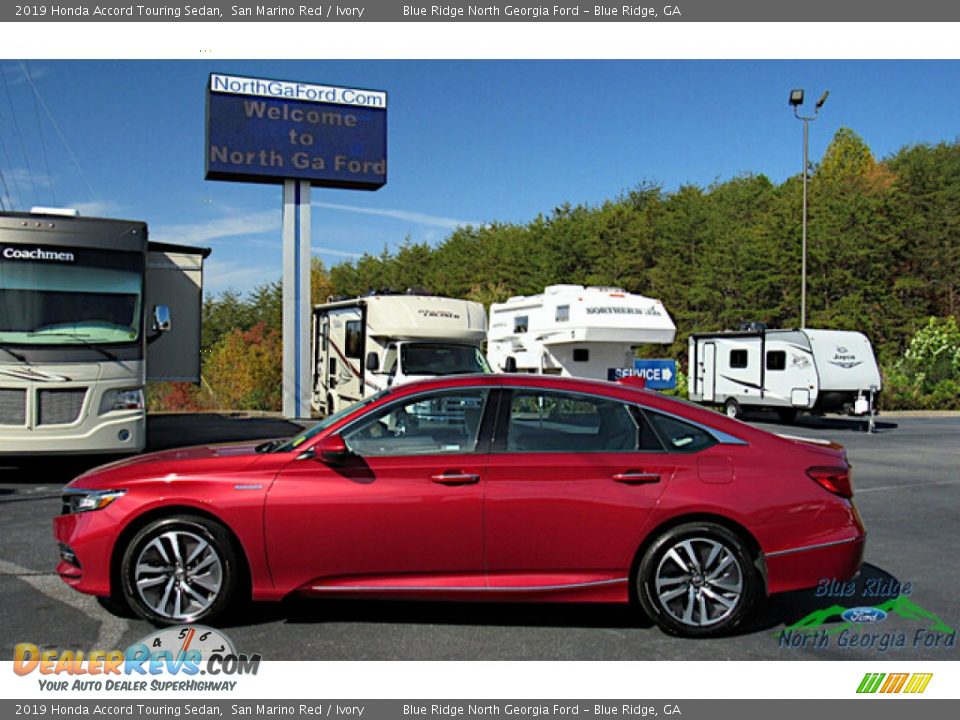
89	312
366	344
574	331
784	370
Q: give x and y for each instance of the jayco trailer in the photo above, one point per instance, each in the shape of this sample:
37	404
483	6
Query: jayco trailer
575	331
90	311
363	345
784	370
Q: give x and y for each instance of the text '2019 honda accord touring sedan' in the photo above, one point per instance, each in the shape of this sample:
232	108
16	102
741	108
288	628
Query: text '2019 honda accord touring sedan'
499	487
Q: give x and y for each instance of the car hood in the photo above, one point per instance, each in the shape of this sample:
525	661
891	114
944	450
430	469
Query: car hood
170	465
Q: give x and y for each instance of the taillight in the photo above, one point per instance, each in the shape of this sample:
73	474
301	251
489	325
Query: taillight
837	480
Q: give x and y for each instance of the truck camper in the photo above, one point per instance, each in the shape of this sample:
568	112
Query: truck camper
575	331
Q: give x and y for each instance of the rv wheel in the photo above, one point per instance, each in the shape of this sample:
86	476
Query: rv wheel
732	408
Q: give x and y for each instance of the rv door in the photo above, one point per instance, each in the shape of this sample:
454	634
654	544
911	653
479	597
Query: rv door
174	279
708	372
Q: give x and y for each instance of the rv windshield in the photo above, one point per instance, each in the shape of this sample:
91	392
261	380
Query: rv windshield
441	359
93	297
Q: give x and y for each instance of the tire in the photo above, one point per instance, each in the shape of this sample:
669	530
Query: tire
692	603
786	415
732	409
166	592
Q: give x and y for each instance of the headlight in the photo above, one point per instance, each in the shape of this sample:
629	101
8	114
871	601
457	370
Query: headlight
122	400
80	501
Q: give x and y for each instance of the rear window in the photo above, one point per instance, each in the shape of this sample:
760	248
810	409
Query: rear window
679	436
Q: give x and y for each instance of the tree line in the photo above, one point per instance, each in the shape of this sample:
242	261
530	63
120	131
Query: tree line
883	256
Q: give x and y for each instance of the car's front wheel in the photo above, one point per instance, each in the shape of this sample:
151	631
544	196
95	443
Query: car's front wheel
180	569
697	580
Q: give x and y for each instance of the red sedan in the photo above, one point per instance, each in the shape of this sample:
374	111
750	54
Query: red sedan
502	487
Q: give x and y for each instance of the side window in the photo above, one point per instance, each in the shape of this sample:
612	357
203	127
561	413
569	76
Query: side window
738	358
776	360
520	324
679	436
581	355
562	422
563	313
353	343
431	424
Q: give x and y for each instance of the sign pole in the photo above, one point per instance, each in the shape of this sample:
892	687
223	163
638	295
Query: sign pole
296	299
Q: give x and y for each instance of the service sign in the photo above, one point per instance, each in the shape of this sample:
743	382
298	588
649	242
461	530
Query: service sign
267	131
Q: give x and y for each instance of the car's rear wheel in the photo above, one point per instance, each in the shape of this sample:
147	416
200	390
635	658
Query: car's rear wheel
180	569
697	580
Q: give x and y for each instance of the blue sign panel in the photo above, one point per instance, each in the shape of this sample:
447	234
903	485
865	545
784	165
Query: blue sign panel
659	374
267	131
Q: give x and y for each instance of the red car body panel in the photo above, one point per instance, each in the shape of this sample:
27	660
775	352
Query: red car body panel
534	526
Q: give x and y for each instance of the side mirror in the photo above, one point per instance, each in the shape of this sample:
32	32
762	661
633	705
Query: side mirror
161	318
373	362
332	450
510	364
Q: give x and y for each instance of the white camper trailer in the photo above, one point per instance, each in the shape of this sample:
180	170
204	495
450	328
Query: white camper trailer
574	331
784	370
366	344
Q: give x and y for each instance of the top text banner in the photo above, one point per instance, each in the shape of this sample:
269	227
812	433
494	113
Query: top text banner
486	11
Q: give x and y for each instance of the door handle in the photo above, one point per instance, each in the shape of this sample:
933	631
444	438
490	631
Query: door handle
636	477
455	478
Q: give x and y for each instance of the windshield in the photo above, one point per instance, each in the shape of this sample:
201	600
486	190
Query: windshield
437	359
95	297
299	439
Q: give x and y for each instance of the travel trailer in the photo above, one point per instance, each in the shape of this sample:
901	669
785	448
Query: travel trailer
784	370
363	345
89	312
575	331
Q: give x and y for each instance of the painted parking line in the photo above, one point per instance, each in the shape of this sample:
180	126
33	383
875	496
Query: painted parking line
111	627
906	486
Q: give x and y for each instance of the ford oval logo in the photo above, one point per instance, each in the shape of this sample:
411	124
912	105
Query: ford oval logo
864	615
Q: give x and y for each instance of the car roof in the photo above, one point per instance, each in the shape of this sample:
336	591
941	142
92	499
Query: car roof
620	391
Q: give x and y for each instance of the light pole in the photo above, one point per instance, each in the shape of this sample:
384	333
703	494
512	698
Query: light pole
796	100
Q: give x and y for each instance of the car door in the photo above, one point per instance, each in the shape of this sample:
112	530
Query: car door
403	510
572	481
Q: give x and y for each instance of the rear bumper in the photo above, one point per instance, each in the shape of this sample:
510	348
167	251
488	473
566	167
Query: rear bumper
805	567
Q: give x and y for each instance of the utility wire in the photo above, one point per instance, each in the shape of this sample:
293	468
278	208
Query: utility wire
63	138
17	134
25	67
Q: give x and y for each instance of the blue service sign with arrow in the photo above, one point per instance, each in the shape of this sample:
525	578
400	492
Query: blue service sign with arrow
659	374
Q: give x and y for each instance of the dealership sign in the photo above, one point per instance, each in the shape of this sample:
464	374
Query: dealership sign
266	131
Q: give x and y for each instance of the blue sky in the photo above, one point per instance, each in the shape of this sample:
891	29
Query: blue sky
469	141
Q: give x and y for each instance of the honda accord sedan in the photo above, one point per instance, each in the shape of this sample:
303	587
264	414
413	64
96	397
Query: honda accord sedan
495	487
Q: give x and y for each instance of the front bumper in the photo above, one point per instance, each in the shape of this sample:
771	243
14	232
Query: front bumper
89	536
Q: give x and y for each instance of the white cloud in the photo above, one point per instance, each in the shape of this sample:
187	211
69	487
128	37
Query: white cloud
217	228
96	208
405	215
219	275
336	253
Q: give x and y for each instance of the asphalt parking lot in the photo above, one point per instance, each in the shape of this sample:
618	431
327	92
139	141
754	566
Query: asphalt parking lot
907	489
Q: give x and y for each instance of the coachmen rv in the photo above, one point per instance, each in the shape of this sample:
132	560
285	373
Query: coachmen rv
90	311
369	343
574	331
784	370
